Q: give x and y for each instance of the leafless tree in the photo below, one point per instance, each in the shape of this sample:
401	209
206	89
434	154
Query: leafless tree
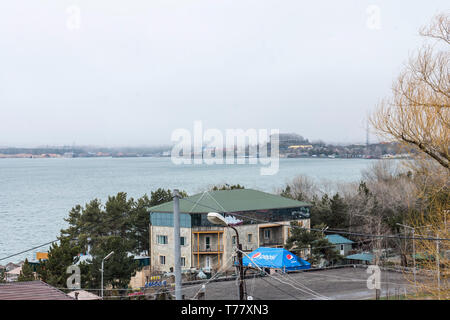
418	112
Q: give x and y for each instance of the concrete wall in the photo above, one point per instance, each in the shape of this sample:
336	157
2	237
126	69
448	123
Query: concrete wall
140	278
230	248
167	250
347	248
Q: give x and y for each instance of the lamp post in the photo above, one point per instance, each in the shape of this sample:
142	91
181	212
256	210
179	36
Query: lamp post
102	269
216	218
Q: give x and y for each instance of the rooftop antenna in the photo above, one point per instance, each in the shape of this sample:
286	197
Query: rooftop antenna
367	134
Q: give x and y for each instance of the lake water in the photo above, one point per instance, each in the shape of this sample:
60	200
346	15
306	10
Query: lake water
36	194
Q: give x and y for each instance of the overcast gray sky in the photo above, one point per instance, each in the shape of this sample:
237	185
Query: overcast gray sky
130	72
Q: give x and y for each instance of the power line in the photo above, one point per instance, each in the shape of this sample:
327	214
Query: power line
348	279
16	254
274	222
285	275
321	230
329	246
217	273
276	287
313	293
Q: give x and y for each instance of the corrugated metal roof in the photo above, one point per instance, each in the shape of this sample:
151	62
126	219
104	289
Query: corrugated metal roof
31	290
83	295
231	201
338	239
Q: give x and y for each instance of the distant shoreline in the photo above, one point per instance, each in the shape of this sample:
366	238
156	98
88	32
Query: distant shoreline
288	148
46	156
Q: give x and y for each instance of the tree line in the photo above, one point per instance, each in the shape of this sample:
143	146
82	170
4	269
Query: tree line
119	225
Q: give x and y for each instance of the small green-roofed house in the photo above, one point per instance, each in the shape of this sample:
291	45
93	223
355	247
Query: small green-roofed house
262	219
343	245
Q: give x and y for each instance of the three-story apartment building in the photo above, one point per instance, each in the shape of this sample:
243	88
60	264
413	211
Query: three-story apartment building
264	221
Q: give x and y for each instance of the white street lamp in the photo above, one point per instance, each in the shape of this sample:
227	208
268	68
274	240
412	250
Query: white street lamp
102	269
217	218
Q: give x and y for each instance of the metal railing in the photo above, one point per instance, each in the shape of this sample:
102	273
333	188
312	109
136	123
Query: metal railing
213	229
271	242
207	248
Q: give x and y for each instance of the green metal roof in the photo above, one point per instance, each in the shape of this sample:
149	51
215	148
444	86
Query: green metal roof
361	256
338	239
230	201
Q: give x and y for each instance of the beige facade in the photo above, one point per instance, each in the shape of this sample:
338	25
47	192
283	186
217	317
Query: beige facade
161	254
140	278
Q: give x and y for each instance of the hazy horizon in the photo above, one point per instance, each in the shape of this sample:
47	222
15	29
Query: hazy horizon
116	74
169	144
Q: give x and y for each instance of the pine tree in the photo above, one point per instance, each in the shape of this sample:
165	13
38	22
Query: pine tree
227	186
26	274
161	196
2	276
118	269
320	210
140	220
320	247
121	225
54	270
339	216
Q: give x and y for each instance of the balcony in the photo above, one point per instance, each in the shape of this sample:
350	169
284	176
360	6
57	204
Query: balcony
204	248
248	247
277	242
207	229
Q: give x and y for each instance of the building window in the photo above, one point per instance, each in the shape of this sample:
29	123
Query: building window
249	237
182	241
266	233
233	240
162	259
166	219
162	239
183	261
208	243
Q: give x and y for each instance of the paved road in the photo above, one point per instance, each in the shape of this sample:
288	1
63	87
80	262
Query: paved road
345	283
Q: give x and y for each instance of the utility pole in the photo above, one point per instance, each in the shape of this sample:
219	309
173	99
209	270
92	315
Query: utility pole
240	267
177	246
414	249
241	274
102	270
414	255
438	267
216	218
